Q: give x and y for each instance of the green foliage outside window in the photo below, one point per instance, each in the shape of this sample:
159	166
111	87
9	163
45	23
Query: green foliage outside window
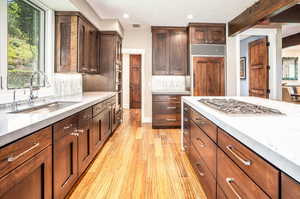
24	28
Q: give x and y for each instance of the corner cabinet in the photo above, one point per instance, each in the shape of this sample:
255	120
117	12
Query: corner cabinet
76	45
169	51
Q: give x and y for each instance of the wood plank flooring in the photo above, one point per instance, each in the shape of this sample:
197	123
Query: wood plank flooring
140	162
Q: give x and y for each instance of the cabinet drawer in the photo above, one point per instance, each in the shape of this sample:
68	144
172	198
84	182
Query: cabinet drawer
98	108
205	147
207	126
206	179
18	152
166	98
166	107
167	120
30	180
64	127
234	182
267	177
290	189
86	114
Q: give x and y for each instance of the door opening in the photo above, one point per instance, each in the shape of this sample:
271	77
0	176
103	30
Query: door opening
135	62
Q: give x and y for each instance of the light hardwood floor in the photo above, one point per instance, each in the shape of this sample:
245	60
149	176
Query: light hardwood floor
140	162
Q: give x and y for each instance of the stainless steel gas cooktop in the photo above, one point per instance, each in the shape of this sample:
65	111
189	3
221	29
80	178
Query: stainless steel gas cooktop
231	106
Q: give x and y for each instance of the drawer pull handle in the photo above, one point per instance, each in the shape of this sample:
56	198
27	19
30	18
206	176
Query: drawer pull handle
172	107
13	158
172	98
67	127
245	162
229	181
171	120
199	166
186	109
202	143
74	134
200	121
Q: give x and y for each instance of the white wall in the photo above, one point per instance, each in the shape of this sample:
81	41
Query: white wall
233	61
141	40
126	80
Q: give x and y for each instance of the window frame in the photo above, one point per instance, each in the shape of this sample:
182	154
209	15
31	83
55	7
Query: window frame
47	50
296	60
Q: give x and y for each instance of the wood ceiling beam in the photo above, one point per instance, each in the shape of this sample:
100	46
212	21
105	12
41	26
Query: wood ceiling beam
292	40
260	11
291	15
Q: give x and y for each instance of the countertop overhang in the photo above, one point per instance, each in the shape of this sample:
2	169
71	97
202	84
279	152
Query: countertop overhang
16	126
274	137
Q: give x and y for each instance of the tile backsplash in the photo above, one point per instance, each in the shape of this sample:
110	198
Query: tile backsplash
170	83
67	84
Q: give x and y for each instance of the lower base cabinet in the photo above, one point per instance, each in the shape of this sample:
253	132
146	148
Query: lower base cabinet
85	143
31	180
234	182
290	189
65	154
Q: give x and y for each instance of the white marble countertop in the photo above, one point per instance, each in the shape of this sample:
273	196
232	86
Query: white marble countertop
16	126
276	138
170	92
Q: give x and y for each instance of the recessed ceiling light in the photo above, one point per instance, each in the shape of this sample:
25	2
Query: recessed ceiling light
189	16
125	15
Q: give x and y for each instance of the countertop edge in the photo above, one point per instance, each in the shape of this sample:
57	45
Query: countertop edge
266	153
32	128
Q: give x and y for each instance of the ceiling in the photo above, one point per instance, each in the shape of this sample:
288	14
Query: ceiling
169	12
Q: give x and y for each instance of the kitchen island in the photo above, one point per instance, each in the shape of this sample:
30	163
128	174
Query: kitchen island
264	148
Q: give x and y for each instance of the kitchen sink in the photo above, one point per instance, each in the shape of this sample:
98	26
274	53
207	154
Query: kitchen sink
44	108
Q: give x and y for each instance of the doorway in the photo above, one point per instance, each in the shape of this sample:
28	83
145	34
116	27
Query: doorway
135	92
254	66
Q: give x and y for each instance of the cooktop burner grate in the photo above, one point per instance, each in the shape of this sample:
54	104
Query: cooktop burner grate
231	106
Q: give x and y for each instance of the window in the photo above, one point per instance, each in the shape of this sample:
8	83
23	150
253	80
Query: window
25	42
290	68
24	25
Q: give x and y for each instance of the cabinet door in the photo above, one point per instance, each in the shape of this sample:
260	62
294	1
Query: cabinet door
93	48
114	122
66	44
32	179
209	76
118	50
65	169
160	52
85	150
199	35
290	189
83	46
186	128
101	130
178	52
216	35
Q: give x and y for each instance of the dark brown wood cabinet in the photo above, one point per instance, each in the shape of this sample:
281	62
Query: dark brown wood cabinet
77	44
209	76
290	189
207	33
85	138
32	179
166	111
65	156
169	51
238	171
101	129
186	128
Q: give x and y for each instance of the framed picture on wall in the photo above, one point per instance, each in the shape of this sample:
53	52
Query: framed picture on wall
243	68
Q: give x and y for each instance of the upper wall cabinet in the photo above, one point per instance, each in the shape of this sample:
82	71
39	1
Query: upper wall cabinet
203	33
77	44
169	51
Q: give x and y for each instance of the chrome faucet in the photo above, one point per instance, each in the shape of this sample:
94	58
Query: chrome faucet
14	104
32	88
